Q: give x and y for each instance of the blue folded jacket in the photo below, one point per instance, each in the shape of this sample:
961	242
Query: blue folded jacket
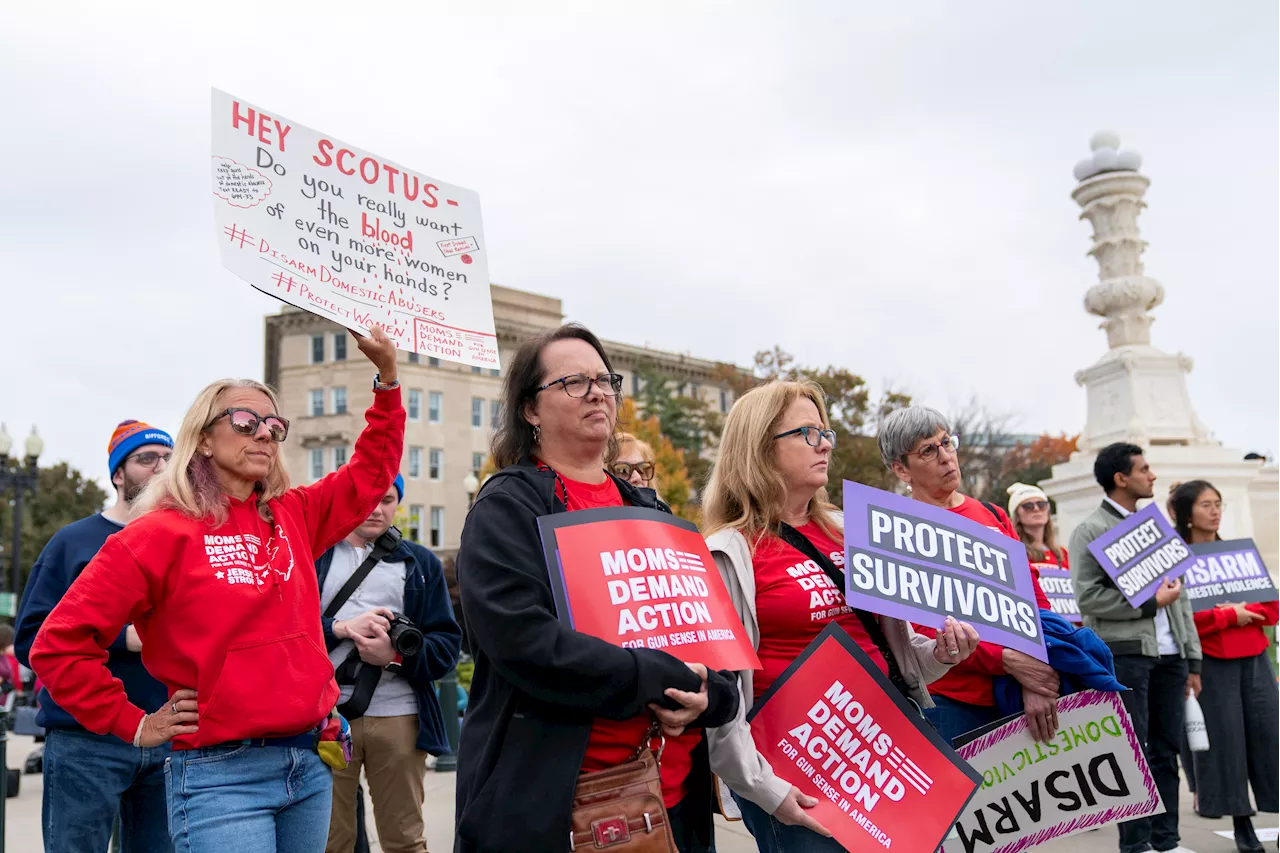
1082	660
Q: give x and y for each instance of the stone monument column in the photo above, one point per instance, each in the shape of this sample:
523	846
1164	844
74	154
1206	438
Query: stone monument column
1136	392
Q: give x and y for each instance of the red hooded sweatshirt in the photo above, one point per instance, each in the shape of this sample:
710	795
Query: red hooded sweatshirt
232	612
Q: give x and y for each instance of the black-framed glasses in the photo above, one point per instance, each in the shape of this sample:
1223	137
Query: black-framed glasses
246	421
1034	506
150	458
622	470
928	453
812	435
580	384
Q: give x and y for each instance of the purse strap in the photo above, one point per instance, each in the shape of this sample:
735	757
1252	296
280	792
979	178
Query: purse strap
654	730
870	623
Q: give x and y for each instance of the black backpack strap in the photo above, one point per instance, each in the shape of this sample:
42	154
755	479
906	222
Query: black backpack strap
870	623
382	546
991	508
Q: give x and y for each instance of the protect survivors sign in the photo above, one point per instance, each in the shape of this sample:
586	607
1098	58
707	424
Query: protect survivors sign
833	726
643	579
1227	572
1140	553
907	559
1055	583
1092	773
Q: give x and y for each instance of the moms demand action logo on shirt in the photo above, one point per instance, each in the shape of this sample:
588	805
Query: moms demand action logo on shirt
833	726
234	557
638	578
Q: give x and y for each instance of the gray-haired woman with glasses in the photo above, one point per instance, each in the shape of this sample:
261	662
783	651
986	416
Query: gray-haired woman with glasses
919	446
548	703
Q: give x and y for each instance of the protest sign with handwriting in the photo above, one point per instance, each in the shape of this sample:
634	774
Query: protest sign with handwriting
1092	773
917	562
834	726
1140	553
349	235
1225	572
641	578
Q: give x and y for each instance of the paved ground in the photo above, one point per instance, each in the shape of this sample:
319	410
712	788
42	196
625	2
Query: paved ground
22	821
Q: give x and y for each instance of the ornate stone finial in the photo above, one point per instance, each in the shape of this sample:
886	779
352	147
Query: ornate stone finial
1110	192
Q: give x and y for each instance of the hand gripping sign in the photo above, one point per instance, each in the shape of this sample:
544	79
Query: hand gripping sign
833	726
1227	572
914	561
349	235
1142	552
1091	774
644	579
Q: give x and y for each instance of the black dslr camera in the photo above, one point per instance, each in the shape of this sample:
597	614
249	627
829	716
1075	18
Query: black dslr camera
405	636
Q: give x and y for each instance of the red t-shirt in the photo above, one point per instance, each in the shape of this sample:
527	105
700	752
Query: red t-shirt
970	680
795	599
1221	636
615	741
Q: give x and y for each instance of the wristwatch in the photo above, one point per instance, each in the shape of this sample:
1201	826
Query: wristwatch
379	385
395	666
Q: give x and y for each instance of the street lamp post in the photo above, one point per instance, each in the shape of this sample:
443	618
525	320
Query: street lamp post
20	479
449	684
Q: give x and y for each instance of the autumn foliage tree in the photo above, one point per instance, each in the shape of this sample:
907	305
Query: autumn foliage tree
63	495
674	485
1031	463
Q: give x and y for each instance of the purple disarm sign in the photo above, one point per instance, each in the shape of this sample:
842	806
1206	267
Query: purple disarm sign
917	562
1230	571
1142	552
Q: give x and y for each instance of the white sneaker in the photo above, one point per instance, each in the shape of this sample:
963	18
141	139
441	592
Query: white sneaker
1178	849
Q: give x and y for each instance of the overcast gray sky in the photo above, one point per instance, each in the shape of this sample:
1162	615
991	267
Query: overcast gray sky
880	186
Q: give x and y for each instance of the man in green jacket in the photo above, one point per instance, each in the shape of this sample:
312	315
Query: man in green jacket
1156	647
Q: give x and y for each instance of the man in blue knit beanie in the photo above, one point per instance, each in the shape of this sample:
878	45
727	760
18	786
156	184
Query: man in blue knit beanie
89	778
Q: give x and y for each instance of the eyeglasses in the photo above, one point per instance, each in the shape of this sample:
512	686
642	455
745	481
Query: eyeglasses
580	384
1034	506
812	435
622	470
150	458
1208	505
929	452
246	421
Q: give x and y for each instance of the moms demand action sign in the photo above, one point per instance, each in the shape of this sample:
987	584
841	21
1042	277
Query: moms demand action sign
833	726
1091	774
919	563
1140	553
644	579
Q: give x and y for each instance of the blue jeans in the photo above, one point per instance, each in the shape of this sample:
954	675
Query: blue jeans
248	799
773	836
88	780
953	718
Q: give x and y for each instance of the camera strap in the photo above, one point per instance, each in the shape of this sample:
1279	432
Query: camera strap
382	546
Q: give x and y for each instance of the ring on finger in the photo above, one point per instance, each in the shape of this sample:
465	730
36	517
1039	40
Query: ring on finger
173	706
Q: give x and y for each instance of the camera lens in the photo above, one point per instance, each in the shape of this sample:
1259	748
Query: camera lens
406	638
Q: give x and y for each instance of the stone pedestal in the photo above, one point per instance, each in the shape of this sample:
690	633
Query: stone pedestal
1136	392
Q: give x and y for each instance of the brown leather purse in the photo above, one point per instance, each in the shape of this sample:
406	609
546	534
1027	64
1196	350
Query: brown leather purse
620	808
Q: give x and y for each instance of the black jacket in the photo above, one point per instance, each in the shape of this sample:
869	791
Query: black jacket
539	684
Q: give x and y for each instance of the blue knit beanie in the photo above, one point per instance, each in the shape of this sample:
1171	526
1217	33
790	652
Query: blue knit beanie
128	437
399	488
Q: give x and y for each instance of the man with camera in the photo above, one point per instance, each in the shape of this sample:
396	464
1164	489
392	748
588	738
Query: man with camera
389	627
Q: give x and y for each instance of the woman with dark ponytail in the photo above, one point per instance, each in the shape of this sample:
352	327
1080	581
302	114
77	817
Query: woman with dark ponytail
1240	698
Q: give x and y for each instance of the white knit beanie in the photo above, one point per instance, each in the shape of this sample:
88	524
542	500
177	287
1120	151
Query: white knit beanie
1019	493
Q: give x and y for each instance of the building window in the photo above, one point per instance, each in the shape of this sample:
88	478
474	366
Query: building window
339	346
317	349
477	412
435	464
435	406
635	385
415	523
415	462
317	402
339	401
477	462
415	405
695	391
494	407
414	358
475	368
433	362
340	454
317	463
724	402
437	527
493	371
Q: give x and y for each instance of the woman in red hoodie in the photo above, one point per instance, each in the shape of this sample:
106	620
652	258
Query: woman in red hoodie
1240	700
216	576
